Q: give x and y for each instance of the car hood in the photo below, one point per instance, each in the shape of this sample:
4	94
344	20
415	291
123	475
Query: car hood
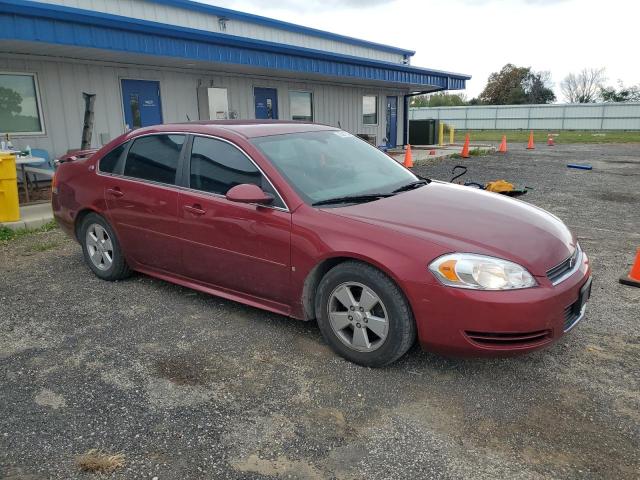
465	219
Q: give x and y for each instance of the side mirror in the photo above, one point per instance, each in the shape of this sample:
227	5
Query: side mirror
248	193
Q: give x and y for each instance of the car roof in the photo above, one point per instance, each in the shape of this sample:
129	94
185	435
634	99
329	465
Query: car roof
246	128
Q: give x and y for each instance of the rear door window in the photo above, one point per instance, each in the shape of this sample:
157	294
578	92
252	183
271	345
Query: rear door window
155	158
109	163
218	166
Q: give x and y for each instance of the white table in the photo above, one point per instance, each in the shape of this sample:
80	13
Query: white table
22	161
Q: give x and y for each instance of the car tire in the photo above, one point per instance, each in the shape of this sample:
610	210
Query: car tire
351	300
101	249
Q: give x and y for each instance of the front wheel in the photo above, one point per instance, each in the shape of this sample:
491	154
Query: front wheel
363	315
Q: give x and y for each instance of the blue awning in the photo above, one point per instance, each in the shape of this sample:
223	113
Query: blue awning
52	24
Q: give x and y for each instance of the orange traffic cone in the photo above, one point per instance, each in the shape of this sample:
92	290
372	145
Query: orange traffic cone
633	278
408	158
530	145
550	141
465	148
503	145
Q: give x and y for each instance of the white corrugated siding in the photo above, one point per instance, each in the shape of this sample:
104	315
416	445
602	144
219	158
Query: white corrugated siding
62	83
156	12
602	116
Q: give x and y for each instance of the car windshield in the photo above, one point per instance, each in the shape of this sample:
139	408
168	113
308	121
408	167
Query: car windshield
328	164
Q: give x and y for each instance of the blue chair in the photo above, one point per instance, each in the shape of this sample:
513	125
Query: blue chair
38	152
45	168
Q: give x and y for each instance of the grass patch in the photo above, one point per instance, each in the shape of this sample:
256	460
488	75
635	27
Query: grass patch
43	247
6	234
474	152
98	461
540	136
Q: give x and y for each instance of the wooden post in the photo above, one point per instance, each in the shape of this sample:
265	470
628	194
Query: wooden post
87	128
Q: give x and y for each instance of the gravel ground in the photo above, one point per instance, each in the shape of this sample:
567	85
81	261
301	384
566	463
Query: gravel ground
190	386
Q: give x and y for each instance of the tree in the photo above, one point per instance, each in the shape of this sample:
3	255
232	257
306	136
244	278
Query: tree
622	94
517	85
10	101
537	87
438	100
583	87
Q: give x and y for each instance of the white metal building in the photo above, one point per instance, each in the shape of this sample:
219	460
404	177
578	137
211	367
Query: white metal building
160	61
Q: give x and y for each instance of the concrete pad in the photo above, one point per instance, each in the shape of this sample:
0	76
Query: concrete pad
32	216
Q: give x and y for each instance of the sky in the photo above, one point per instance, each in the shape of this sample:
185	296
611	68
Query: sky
478	37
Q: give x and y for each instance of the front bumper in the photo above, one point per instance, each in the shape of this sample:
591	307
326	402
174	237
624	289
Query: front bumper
477	323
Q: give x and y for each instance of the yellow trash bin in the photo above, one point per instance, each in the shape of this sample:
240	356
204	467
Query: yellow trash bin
9	204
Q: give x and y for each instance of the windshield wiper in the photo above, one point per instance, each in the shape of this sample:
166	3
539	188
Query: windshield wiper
353	199
411	186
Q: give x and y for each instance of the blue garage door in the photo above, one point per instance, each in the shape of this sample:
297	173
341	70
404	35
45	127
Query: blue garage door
392	121
141	101
266	100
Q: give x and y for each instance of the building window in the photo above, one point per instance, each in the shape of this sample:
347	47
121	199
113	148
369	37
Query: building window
370	110
20	110
301	106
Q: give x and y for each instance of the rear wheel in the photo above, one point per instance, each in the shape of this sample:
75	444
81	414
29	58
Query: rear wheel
363	315
101	249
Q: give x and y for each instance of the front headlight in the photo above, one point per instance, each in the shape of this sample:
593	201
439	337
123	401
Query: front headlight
467	270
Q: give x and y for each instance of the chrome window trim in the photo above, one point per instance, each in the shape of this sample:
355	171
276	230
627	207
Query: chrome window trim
189	189
575	268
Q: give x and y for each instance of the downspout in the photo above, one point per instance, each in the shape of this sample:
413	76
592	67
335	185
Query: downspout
405	113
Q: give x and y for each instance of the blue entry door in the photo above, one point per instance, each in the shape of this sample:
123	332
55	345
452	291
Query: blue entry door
266	100
141	101
392	121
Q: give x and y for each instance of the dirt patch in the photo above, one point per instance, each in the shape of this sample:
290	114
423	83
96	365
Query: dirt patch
192	369
618	197
278	467
47	398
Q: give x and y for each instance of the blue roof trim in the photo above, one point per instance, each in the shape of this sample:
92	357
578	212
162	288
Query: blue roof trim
34	21
270	22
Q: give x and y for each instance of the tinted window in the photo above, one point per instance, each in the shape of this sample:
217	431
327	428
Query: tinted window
217	166
154	158
109	163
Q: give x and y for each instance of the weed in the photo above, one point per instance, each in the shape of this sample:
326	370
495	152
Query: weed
7	234
43	247
99	461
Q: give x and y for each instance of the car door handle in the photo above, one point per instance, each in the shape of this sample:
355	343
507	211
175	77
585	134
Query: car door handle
195	209
115	192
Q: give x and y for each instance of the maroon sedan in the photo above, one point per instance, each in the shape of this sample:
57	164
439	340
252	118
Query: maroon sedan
311	222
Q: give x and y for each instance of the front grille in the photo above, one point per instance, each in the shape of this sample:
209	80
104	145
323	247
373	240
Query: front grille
497	339
557	272
571	315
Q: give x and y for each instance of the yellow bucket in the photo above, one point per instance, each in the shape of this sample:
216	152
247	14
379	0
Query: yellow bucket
9	204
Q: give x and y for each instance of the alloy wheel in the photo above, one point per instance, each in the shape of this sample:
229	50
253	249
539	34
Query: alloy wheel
358	317
99	246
